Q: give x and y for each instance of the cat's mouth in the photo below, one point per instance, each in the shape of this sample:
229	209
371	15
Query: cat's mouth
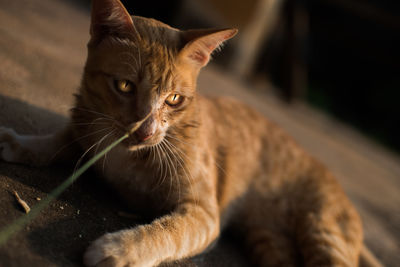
133	143
143	133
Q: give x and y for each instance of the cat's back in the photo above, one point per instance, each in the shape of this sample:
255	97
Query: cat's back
228	113
233	122
250	143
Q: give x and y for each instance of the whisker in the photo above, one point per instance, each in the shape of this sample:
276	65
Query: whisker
89	123
169	160
93	111
163	174
101	140
176	176
83	155
78	139
192	145
181	162
153	151
105	155
175	138
169	169
163	168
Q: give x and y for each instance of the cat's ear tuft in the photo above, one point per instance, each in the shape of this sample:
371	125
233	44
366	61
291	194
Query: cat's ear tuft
199	44
109	17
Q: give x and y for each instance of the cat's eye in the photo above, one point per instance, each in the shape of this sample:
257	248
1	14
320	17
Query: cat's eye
174	100
124	86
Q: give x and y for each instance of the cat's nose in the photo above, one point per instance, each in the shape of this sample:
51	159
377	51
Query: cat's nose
143	136
146	130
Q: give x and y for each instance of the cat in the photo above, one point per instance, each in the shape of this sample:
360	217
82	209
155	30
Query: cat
194	164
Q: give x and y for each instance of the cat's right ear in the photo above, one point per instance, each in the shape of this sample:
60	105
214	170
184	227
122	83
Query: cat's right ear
199	44
110	18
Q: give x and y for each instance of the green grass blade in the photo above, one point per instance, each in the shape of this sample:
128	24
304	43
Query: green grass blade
19	223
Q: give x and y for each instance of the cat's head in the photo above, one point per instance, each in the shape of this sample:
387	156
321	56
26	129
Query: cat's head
140	69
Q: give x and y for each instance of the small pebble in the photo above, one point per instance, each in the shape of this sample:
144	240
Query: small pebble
80	236
22	203
61	207
38	199
78	211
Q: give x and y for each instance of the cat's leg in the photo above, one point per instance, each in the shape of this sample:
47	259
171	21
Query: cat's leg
328	229
326	240
265	229
183	233
270	248
35	150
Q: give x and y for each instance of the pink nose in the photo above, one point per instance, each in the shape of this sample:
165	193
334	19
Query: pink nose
144	137
146	130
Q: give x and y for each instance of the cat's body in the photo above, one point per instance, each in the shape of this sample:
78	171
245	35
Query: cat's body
196	164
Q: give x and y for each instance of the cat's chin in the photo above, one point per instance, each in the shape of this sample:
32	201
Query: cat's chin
137	147
134	146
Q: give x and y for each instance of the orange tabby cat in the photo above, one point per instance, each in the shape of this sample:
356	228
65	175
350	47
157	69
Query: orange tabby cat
196	164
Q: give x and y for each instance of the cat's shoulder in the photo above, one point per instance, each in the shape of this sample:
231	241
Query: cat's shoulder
225	102
227	110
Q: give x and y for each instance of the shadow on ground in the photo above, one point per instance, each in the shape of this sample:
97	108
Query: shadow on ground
85	211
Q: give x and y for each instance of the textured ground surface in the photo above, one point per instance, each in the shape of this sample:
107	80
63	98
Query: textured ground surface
42	51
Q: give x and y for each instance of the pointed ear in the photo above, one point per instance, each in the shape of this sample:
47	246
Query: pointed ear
199	44
109	17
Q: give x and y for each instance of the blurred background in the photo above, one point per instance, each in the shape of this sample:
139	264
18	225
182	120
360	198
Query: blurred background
339	56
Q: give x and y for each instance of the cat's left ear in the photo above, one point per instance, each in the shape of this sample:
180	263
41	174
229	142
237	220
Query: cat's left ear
109	17
199	44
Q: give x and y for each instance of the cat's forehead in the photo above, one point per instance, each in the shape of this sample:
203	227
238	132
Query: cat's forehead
155	33
157	65
156	50
152	57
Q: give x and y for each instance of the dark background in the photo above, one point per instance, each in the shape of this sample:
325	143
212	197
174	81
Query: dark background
344	61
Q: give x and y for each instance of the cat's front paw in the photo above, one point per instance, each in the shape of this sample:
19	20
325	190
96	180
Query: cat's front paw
108	248
116	249
10	148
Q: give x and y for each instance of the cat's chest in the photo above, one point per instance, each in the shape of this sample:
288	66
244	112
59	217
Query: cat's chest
139	184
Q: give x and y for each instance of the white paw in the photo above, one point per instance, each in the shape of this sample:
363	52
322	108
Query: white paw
122	249
9	146
108	250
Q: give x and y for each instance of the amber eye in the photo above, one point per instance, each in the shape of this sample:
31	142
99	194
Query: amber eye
174	99
124	86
